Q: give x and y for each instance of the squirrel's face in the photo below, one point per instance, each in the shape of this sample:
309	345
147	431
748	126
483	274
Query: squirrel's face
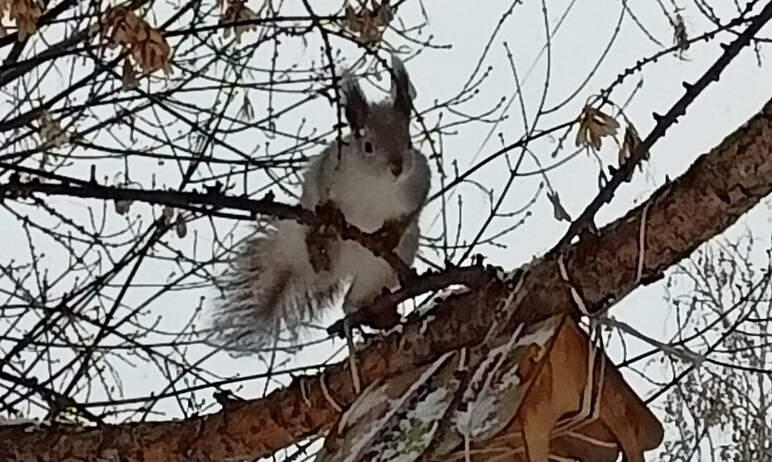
380	133
384	142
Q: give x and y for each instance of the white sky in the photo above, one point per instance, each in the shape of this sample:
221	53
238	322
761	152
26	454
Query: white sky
440	73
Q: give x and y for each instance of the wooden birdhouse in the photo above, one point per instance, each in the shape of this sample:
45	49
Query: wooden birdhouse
544	393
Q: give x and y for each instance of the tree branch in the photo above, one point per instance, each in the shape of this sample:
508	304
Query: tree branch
722	184
663	122
211	202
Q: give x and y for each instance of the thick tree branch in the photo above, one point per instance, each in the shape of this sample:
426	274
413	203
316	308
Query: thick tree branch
635	249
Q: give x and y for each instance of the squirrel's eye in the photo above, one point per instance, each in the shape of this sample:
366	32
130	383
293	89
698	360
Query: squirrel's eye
368	147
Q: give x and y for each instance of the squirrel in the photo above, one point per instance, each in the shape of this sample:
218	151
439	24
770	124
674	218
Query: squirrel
279	282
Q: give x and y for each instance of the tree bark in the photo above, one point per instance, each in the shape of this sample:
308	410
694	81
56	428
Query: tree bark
718	188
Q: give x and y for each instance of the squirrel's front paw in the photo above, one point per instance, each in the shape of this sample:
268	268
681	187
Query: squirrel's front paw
318	241
389	234
382	317
319	238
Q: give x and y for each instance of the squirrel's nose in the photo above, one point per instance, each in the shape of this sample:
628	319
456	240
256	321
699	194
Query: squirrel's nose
396	166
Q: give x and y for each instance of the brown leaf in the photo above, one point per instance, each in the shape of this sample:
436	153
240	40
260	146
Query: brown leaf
368	22
26	14
146	43
51	131
237	11
630	145
593	126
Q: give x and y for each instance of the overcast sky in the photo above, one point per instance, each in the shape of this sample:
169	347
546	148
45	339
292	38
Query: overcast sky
579	38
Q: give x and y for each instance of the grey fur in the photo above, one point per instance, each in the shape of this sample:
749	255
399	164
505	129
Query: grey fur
272	291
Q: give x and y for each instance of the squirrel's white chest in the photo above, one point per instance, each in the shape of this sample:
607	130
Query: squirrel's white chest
367	201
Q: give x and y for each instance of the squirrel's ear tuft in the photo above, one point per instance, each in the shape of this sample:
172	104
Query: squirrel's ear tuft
354	102
402	90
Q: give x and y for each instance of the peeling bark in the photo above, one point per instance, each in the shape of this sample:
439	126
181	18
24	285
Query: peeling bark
716	190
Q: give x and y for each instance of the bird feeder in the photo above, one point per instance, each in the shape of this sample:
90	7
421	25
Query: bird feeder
544	393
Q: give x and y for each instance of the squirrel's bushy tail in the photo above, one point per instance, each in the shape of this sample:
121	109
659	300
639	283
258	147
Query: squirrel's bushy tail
270	294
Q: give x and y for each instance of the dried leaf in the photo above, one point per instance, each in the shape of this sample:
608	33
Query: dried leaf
385	15
50	131
236	12
368	23
352	19
123	26
152	53
630	144
26	14
593	126
146	44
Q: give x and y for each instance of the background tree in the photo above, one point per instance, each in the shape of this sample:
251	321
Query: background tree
135	136
715	400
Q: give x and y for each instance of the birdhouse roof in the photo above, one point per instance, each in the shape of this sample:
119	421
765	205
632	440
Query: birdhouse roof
485	401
